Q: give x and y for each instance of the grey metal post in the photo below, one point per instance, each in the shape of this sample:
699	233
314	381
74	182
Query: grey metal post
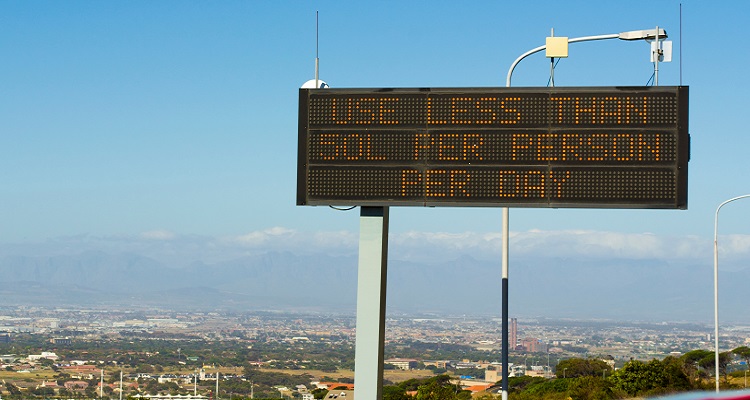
716	284
505	339
371	286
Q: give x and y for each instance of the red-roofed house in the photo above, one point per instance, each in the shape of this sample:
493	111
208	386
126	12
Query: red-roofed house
333	385
73	385
477	388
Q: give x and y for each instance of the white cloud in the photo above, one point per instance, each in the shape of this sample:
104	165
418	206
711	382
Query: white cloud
283	239
734	246
180	250
420	246
587	244
158	235
260	238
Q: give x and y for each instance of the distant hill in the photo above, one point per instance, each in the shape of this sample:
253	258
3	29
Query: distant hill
539	286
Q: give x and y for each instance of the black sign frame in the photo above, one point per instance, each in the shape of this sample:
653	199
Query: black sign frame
561	147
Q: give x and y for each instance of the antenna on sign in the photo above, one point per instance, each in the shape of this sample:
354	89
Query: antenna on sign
317	59
680	44
316	83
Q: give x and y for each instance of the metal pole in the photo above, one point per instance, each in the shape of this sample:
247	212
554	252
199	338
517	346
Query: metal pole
317	60
552	64
505	342
506	225
656	58
716	284
371	291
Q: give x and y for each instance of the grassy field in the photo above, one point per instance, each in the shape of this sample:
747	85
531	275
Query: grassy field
20	376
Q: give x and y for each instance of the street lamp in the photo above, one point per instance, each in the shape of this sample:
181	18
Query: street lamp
716	284
646	34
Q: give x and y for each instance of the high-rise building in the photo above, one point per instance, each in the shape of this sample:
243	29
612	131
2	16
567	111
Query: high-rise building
513	334
534	345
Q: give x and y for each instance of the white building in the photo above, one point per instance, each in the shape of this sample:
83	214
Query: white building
45	354
402	363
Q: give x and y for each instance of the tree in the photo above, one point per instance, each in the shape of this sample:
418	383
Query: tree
91	392
144	368
577	367
676	378
744	353
43	392
394	393
13	390
691	364
591	388
637	378
46	362
436	391
320	393
708	363
724	359
521	383
538	388
434	388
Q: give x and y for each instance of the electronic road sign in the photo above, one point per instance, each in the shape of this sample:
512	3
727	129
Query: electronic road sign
589	147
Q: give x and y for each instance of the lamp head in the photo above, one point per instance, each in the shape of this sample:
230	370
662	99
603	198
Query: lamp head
647	34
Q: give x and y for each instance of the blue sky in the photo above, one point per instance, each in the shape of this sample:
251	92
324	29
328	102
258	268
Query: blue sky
180	118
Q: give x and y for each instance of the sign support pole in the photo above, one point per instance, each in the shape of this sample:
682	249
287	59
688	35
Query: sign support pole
505	341
371	291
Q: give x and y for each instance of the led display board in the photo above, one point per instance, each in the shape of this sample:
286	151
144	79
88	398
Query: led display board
589	147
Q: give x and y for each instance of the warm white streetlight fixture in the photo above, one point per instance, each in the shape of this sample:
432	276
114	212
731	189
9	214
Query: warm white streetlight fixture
716	284
647	34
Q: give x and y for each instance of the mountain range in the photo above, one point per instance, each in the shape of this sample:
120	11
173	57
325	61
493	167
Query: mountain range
539	286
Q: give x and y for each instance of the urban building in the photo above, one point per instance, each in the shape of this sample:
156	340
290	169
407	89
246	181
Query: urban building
402	363
534	345
45	354
61	341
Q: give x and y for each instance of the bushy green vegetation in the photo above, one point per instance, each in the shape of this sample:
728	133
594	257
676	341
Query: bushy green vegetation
435	388
576	378
584	379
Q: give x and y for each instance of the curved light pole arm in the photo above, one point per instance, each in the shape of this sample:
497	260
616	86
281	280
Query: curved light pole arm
540	48
716	284
518	60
